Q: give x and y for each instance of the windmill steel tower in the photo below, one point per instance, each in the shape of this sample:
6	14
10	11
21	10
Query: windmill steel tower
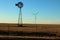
20	5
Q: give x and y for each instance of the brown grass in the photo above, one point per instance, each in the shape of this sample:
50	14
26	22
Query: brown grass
31	27
52	28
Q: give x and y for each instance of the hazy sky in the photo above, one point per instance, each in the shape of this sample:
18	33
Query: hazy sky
49	11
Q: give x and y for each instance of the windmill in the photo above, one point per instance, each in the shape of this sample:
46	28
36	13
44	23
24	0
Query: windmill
19	5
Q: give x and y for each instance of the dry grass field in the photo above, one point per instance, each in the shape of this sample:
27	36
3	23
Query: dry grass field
31	27
47	28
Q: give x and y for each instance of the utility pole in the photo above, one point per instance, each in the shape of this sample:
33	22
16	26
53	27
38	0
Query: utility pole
35	14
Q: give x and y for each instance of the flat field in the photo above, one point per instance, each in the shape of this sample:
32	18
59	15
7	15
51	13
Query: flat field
29	28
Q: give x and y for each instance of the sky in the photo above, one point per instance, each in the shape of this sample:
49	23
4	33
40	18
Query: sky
48	11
